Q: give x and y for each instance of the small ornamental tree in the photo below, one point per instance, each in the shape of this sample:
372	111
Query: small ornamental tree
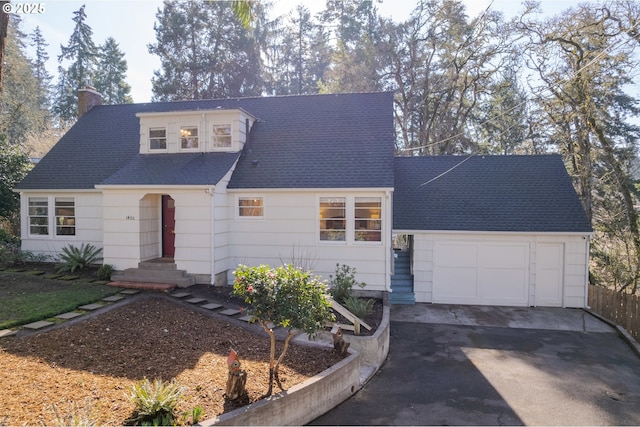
285	296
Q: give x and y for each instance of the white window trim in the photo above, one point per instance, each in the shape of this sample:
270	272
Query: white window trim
213	135
51	219
350	208
28	221
236	207
166	140
353	219
189	150
75	218
317	220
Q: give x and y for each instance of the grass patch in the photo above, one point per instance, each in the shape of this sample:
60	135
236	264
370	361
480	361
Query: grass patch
26	298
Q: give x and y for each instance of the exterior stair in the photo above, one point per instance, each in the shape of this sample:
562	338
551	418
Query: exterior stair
160	270
402	280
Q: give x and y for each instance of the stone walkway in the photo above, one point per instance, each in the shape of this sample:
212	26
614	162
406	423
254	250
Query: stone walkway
189	296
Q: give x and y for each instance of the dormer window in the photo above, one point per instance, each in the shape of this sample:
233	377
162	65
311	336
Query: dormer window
188	137
194	131
222	136
158	138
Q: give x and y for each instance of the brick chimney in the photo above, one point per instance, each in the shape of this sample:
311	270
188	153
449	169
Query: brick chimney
88	98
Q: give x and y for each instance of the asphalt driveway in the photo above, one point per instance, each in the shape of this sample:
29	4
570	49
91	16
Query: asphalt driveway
464	365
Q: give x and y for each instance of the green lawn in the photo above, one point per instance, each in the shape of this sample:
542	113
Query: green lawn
26	298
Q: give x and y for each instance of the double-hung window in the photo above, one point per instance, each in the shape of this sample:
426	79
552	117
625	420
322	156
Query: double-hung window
38	216
62	216
189	137
157	138
333	219
250	207
222	136
65	210
351	219
368	219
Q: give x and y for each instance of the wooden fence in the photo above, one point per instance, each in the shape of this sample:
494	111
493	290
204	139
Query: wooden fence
621	308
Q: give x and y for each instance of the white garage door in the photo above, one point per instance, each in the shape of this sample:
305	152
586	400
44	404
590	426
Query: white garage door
484	273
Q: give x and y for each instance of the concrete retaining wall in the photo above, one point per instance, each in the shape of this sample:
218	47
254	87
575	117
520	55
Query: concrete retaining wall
307	401
373	349
303	402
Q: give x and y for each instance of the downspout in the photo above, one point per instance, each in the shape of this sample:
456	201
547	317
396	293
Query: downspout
203	143
212	225
389	248
586	267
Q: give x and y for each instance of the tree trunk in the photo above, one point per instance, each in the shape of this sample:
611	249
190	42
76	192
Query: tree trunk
4	27
622	181
284	351
272	356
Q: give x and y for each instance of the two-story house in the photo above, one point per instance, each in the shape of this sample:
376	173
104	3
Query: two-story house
202	186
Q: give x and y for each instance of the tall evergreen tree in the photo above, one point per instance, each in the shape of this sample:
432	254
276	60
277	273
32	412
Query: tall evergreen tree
110	74
83	54
43	78
20	102
205	52
298	55
503	119
362	46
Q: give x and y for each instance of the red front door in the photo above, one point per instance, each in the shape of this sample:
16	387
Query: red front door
168	227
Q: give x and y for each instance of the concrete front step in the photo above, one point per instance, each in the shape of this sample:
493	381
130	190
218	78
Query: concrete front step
179	278
158	264
143	286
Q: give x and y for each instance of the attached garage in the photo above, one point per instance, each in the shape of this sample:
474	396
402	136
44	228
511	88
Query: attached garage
477	272
492	230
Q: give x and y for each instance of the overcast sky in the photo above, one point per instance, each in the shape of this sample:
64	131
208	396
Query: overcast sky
130	23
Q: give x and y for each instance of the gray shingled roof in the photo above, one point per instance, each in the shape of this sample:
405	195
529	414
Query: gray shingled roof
183	169
314	141
329	141
486	193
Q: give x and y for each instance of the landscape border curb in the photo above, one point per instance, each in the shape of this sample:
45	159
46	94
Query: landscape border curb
316	396
303	402
626	336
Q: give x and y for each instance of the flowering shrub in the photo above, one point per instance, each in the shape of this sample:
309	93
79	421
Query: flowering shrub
285	296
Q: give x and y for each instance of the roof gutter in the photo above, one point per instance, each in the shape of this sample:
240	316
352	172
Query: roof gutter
445	232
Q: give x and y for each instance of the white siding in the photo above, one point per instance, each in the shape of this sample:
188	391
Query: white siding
193	230
88	217
203	120
537	247
289	232
132	227
122	228
223	208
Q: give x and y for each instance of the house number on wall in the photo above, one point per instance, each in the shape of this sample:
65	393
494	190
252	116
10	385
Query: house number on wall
129	217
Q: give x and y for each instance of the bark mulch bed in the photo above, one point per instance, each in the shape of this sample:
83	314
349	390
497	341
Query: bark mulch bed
90	366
